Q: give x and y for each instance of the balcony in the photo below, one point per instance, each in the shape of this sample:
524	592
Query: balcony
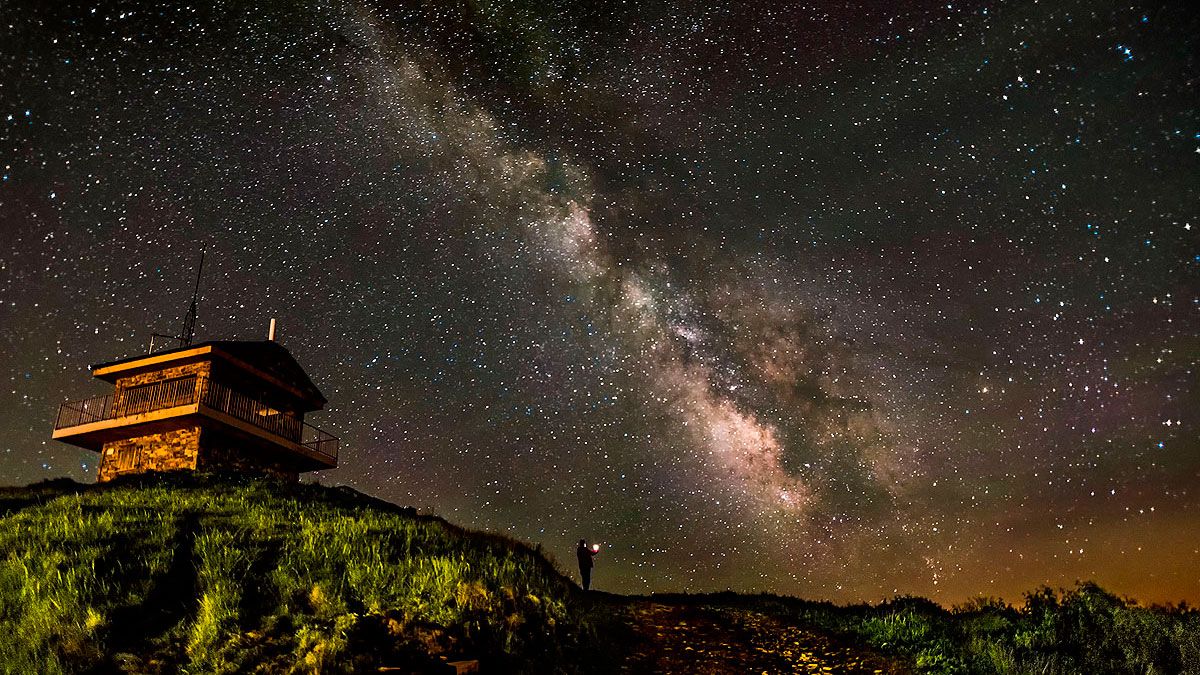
93	421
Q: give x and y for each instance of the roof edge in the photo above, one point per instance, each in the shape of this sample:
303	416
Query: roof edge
110	370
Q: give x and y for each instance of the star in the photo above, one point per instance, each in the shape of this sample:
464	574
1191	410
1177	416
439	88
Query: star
878	298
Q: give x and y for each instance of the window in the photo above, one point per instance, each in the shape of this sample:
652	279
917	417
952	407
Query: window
127	458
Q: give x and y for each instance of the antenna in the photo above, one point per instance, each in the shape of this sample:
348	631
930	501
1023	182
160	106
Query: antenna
189	321
188	331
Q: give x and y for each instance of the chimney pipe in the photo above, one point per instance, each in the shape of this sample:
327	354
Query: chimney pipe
271	332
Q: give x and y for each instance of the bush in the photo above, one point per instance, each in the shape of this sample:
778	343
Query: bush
1083	630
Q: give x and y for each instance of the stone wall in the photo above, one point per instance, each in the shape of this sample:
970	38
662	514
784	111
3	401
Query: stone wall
187	448
167	451
222	454
201	369
191	448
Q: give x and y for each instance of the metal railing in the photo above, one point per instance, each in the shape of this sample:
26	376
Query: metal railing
236	404
190	391
75	413
159	395
319	441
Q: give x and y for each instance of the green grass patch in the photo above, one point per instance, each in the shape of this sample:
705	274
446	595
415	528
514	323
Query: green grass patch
206	575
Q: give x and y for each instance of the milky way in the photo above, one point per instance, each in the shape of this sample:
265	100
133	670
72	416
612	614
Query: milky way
839	302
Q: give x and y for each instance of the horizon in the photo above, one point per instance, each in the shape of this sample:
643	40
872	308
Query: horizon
838	304
565	568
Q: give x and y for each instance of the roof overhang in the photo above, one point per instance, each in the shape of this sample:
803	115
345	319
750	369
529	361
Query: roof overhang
208	351
136	365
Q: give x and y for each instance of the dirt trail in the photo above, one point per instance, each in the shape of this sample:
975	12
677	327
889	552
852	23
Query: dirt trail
712	639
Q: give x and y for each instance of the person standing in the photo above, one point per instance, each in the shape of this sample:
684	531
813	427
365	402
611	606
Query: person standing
585	555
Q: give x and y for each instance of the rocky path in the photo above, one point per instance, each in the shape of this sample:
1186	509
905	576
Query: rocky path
712	639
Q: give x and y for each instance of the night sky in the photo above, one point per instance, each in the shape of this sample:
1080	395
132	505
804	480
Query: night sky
833	300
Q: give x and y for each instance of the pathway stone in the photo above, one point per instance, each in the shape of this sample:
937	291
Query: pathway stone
712	640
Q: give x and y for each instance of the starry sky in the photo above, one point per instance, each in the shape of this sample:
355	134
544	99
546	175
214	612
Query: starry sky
833	300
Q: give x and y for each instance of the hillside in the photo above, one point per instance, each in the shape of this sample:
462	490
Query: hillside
196	574
221	576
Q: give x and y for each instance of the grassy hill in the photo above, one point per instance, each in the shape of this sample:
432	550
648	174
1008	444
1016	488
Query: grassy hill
195	574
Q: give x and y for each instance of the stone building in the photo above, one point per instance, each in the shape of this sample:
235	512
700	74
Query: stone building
221	406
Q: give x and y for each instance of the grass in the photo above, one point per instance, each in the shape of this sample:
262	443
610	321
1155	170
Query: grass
195	574
1081	630
203	575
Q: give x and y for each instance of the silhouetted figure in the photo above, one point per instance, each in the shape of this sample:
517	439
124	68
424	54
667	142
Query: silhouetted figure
585	555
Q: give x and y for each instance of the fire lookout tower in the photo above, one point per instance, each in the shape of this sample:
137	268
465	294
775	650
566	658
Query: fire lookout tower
221	406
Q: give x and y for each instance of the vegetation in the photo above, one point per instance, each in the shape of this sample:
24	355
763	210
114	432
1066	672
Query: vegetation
195	574
1082	630
200	575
